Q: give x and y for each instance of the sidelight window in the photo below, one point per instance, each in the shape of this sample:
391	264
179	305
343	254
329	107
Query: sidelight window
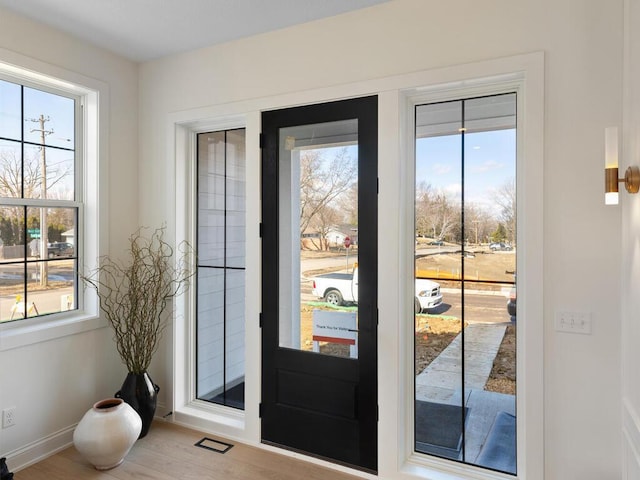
466	245
221	267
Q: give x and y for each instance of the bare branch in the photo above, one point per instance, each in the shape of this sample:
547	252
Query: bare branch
323	182
135	295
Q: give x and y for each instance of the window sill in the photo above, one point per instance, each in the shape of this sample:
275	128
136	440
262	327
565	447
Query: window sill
35	330
433	468
214	418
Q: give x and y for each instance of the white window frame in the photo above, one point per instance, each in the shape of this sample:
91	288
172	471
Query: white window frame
224	269
187	408
90	184
529	398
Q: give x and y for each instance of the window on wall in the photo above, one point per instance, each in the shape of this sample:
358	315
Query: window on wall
465	248
221	267
39	200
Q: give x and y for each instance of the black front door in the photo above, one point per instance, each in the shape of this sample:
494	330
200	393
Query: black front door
319	280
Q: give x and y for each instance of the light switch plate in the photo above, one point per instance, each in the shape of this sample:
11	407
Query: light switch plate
574	322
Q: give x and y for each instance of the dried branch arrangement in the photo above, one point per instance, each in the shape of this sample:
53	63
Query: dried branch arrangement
135	295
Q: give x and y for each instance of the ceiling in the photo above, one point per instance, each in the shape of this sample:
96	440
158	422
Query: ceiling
147	29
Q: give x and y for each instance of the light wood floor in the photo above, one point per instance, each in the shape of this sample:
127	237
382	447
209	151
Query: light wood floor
168	453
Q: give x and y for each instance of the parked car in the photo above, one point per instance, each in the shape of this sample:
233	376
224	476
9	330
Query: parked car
439	243
500	246
60	249
511	304
340	288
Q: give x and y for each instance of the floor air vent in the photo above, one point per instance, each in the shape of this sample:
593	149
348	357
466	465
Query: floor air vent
214	445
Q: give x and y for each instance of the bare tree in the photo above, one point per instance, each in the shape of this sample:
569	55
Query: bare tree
349	205
322	223
11	175
478	223
11	185
423	202
436	214
23	178
322	183
505	198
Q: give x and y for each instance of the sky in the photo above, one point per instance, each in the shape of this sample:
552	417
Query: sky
489	162
58	113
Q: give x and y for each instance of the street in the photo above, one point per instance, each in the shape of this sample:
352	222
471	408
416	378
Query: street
59	296
481	306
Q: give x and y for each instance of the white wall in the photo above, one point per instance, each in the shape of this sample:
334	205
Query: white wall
582	41
631	247
55	382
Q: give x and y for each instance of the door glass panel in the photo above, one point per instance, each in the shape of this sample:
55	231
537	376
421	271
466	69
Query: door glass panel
318	238
465	220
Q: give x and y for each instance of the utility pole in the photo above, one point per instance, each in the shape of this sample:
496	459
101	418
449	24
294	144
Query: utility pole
44	240
475	222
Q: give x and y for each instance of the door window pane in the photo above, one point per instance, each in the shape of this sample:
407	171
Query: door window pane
318	250
466	244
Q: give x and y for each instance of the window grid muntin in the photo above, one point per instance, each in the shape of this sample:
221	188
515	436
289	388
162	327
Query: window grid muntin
26	202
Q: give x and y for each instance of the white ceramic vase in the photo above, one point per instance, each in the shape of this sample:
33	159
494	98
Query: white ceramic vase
107	432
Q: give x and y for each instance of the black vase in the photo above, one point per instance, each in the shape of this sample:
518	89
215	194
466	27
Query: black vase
139	391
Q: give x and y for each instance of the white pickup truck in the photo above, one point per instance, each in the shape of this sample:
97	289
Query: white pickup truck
340	288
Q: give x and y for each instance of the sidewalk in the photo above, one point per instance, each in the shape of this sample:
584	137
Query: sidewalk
441	382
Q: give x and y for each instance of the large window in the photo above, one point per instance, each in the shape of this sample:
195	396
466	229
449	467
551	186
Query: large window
465	228
39	202
221	267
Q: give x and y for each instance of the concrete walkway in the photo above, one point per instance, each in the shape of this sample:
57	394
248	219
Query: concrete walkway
441	382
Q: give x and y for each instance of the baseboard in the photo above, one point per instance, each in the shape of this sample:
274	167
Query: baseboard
162	411
40	449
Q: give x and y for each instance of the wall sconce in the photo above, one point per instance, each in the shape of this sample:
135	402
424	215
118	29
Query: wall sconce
631	176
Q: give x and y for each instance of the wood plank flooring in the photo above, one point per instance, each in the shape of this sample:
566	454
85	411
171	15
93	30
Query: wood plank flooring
168	453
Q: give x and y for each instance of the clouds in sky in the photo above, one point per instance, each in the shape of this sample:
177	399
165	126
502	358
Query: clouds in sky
489	162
